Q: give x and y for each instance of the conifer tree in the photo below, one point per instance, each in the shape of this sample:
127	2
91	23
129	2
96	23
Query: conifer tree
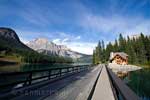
137	48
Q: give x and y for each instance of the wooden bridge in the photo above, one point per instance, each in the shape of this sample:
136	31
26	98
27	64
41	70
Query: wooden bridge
70	83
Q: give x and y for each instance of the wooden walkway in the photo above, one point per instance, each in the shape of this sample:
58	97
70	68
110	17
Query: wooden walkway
79	89
95	83
103	89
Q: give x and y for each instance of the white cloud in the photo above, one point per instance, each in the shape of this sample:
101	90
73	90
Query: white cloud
78	37
25	41
94	24
56	41
60	41
65	40
82	47
115	24
39	14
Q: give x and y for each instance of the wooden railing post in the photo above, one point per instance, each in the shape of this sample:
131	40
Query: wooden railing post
60	72
49	74
79	69
67	70
73	69
30	78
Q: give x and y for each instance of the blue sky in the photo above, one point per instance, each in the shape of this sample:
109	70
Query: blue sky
79	24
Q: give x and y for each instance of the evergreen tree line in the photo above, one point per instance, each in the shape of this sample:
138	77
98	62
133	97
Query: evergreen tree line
29	56
34	57
138	49
17	50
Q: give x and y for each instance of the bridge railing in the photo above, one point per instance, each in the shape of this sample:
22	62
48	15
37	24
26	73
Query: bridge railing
120	89
14	80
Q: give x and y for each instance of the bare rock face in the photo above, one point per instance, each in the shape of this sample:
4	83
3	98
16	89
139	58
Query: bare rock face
9	39
43	45
8	33
38	44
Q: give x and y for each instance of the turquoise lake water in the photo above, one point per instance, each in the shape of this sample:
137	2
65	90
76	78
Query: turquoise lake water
139	82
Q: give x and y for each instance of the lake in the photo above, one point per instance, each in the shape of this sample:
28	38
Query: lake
139	82
31	67
9	79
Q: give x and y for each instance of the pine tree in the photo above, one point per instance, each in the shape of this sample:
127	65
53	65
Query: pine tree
130	51
116	47
121	43
138	49
103	56
109	49
103	45
141	50
94	57
97	54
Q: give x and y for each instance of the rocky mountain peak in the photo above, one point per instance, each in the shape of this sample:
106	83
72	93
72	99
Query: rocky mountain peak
41	40
43	45
8	33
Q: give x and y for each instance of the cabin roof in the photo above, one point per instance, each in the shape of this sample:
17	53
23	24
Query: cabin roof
122	54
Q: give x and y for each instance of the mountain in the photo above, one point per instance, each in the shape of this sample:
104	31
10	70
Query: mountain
9	39
42	45
13	50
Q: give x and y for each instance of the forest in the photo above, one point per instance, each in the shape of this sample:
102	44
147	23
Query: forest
138	49
28	56
17	52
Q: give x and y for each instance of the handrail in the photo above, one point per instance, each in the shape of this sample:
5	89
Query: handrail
29	77
94	86
121	89
10	73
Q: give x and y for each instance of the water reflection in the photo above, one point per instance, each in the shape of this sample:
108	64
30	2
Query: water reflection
8	79
139	82
10	68
30	67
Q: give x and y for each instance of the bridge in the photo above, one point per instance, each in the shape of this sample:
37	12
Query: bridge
84	82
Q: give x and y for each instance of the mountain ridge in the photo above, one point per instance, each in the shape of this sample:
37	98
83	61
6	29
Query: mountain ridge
12	49
10	39
43	45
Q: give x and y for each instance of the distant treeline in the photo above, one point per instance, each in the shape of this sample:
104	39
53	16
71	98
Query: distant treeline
138	49
33	57
13	50
27	55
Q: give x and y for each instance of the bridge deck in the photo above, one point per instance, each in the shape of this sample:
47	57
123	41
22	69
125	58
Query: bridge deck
78	90
103	89
97	83
77	86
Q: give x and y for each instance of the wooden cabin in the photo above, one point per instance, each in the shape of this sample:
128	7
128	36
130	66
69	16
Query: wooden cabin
120	58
